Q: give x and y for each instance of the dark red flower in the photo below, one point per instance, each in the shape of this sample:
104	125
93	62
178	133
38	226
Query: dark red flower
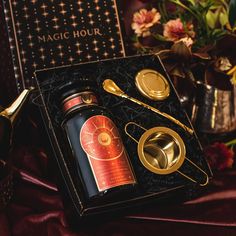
219	156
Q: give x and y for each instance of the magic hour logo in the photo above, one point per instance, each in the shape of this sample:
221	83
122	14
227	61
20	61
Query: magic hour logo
68	35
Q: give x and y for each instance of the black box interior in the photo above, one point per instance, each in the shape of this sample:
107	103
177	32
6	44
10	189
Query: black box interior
123	71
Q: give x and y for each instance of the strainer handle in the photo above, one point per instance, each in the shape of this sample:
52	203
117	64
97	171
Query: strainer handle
134	124
193	180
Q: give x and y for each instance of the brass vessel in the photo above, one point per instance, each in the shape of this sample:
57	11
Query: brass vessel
8	119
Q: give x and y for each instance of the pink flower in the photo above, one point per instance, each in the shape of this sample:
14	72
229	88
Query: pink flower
174	30
219	156
143	20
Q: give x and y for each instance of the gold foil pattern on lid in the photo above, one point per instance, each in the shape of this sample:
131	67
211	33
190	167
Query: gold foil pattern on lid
152	85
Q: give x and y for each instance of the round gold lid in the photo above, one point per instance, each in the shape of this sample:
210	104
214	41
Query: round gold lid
152	85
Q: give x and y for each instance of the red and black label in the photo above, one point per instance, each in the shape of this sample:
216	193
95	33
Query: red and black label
101	142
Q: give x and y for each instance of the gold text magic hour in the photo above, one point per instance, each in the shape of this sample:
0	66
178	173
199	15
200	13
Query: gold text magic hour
68	35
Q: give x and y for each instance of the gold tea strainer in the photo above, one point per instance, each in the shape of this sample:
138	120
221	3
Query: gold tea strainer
162	151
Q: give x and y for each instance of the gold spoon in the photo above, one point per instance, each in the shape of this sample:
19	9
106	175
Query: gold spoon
110	87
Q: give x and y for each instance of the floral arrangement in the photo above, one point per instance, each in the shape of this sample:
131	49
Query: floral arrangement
189	30
196	39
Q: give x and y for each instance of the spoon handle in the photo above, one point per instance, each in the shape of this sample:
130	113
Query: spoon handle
159	112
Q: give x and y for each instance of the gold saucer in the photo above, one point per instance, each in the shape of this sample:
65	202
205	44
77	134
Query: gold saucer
152	85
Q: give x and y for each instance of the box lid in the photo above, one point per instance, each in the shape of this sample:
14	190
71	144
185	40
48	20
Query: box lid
47	34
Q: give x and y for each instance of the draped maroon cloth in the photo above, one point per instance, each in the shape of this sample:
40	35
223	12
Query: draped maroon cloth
37	208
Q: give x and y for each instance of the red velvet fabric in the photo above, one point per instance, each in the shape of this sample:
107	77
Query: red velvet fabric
37	208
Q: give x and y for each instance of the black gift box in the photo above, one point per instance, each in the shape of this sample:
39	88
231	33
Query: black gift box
150	186
48	34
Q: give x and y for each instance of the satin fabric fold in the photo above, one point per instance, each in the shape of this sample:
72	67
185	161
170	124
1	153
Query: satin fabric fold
215	207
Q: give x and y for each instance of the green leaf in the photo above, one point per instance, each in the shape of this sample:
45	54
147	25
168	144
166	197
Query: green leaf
218	33
134	38
211	18
232	13
192	2
223	17
159	37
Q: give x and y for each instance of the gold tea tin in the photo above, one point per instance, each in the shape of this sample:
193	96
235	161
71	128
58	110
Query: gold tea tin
152	84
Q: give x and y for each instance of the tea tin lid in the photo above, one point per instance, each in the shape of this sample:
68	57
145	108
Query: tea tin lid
152	85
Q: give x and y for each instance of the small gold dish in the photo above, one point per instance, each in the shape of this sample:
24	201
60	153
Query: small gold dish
152	85
162	151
